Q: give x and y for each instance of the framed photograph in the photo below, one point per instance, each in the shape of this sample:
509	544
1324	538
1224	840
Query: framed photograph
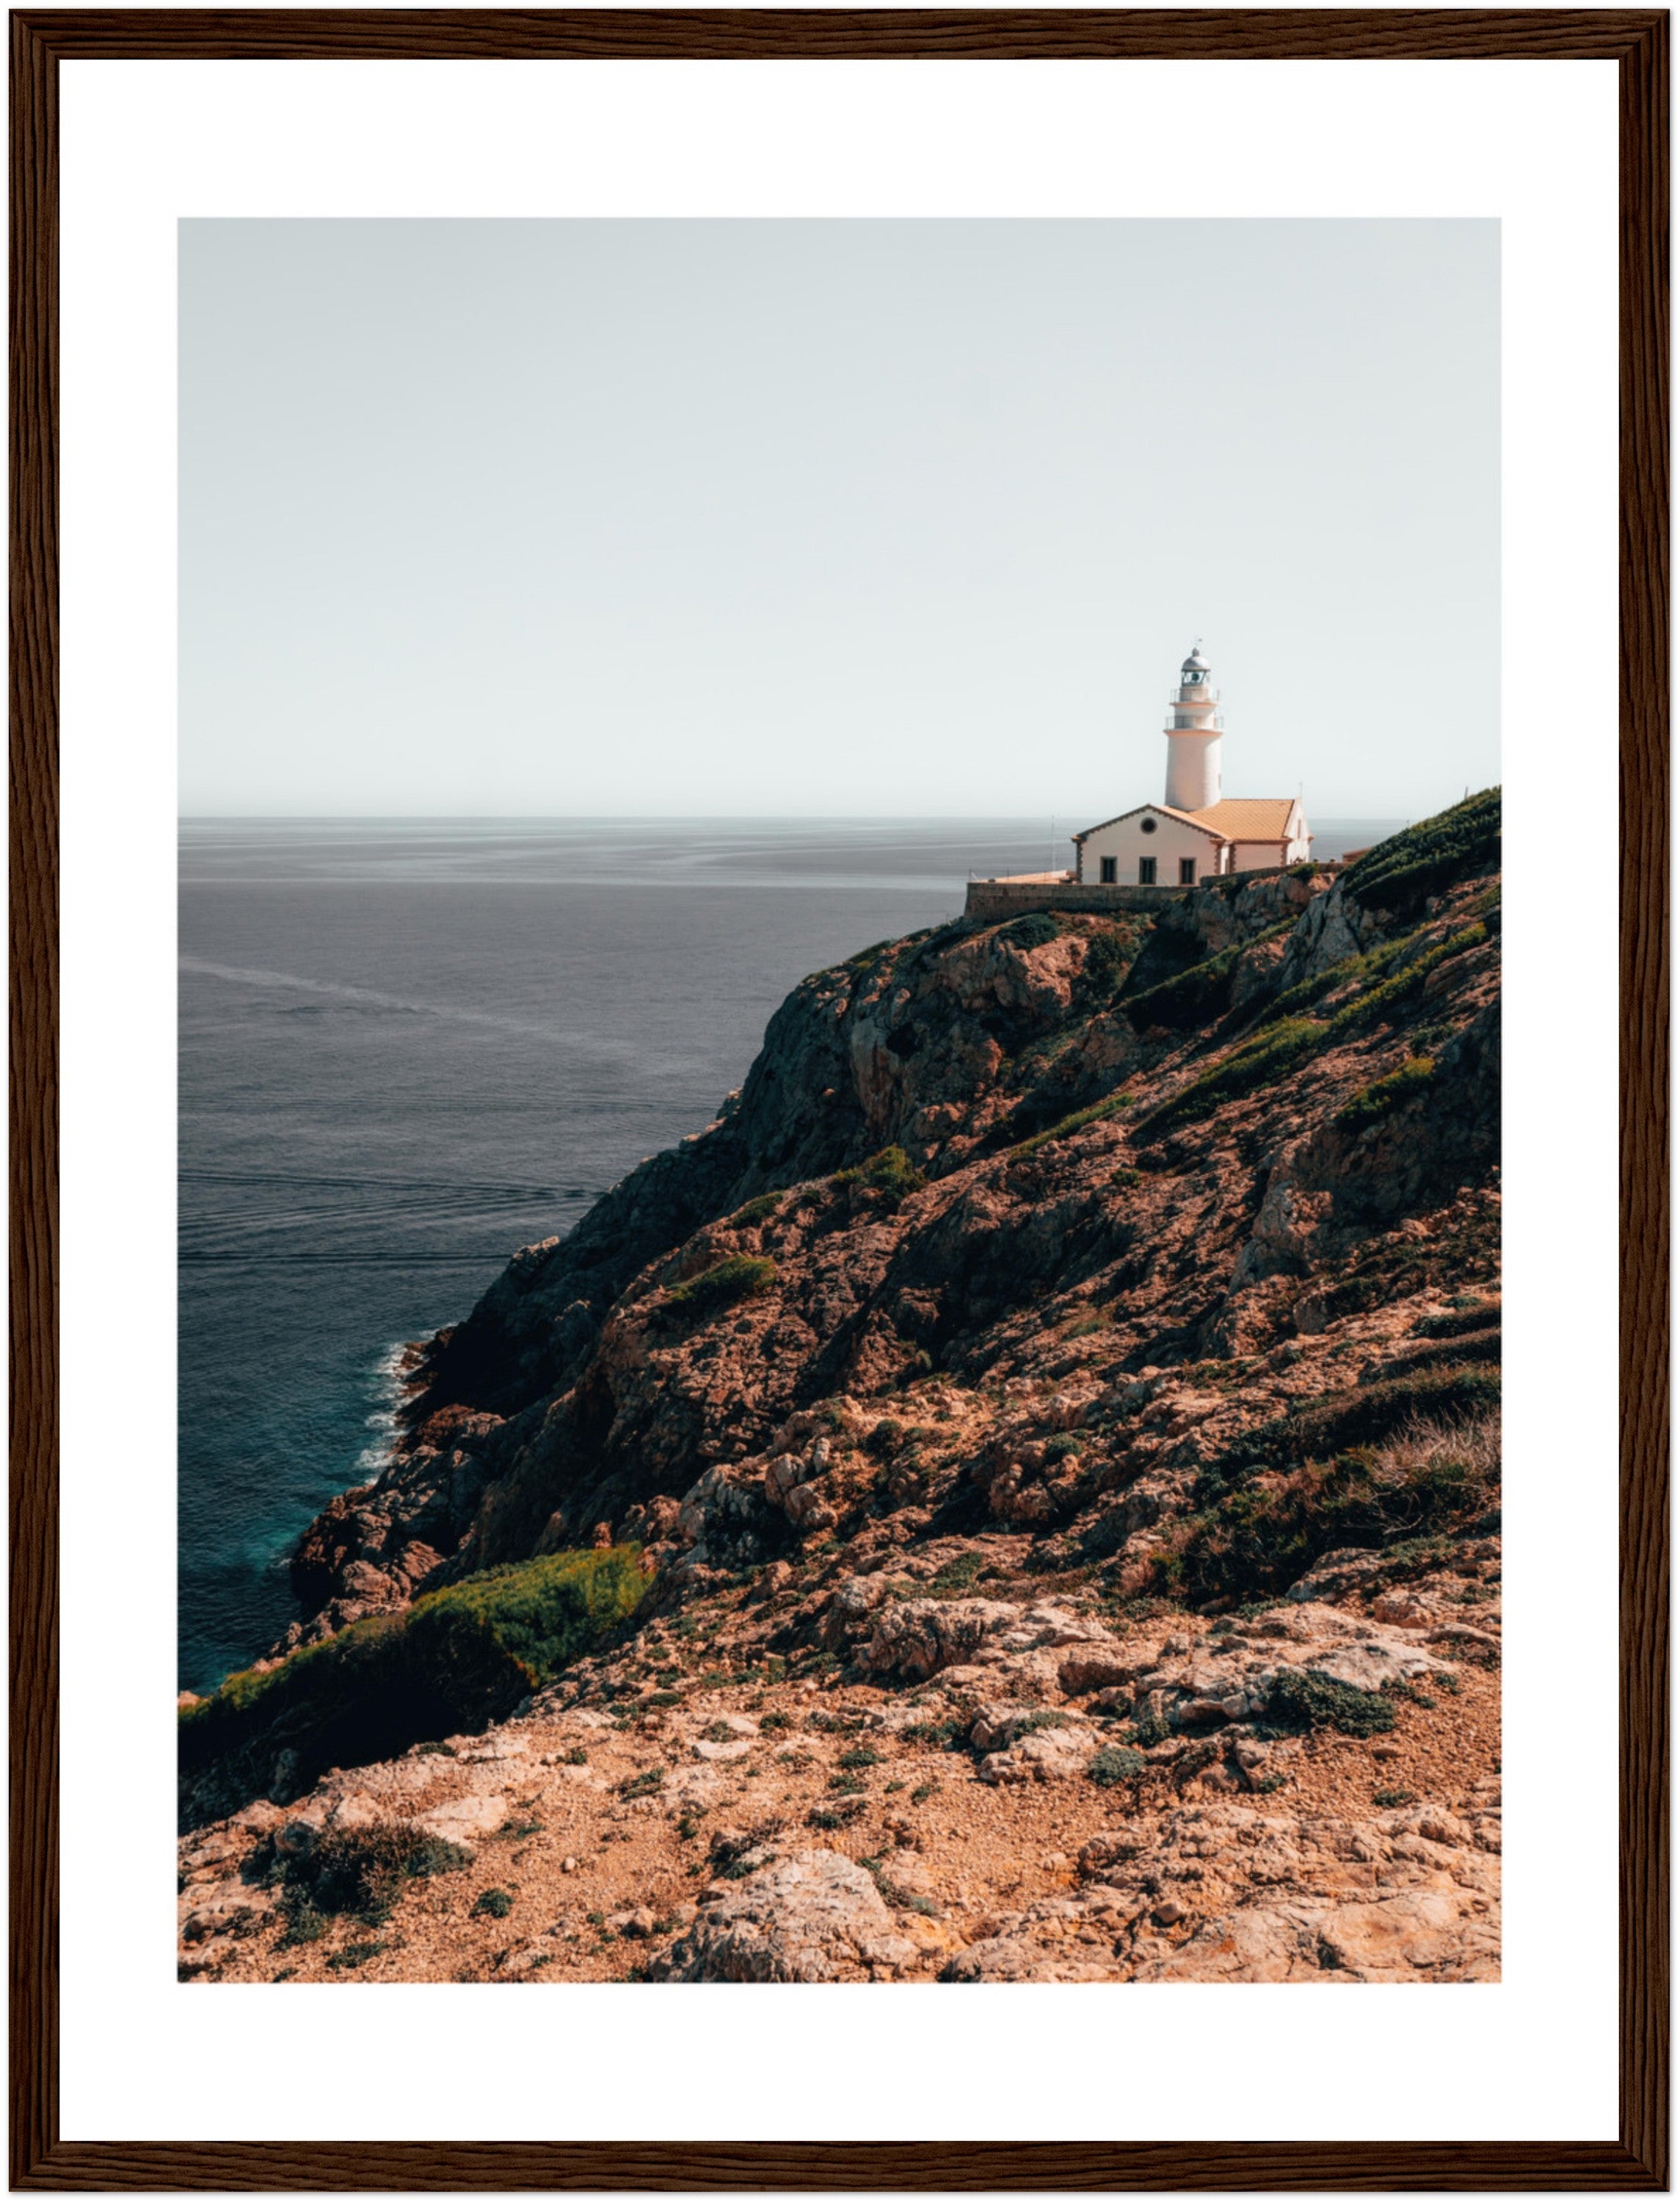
768	1145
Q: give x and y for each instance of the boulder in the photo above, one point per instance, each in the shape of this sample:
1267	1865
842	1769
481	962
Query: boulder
917	1638
813	1917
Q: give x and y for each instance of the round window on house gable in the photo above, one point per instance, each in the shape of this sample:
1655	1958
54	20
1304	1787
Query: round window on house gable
1145	826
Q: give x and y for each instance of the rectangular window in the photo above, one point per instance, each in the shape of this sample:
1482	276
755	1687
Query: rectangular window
1110	870
1186	871
1145	871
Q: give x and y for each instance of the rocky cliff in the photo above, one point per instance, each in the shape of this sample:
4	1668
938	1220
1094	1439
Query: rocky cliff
1075	1343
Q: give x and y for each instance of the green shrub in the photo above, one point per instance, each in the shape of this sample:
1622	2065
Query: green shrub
938	1734
1109	955
1037	929
1302	1698
1387	1800
458	1659
755	1212
1373	1007
1294	999
362	1871
1031	1723
1372	1103
493	1903
737	1277
954	1578
1116	1762
493	1638
355	1954
890	1172
647	1784
838	1815
1381	995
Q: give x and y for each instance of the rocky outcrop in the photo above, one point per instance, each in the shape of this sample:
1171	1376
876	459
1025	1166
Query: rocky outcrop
1307	1794
815	1917
960	1154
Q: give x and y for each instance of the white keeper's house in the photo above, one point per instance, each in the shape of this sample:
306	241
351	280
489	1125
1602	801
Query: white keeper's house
1200	832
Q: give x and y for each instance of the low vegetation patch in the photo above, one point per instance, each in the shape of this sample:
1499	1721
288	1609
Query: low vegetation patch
1363	1415
1257	1063
1372	1007
1110	950
360	1872
737	1277
890	1172
1401	873
455	1661
1076	1122
755	1212
648	1784
1302	1698
1116	1762
1428	1480
1372	1103
1037	929
356	1953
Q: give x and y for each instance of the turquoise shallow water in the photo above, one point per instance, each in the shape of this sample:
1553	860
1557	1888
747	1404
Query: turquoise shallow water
408	1048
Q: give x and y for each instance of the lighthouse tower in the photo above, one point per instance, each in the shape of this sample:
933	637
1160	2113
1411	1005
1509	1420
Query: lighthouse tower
1194	732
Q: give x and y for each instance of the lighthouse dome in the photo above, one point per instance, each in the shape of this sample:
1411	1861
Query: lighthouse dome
1195	669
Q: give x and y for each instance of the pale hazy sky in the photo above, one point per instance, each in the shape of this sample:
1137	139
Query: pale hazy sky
833	517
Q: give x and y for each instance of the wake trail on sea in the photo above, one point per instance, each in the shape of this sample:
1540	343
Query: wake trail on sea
368	997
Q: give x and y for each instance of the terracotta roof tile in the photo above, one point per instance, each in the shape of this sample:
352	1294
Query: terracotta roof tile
1249	817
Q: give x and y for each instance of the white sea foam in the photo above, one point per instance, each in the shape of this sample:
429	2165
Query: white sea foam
387	1382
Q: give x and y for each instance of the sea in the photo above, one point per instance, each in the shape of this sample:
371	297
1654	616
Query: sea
409	1047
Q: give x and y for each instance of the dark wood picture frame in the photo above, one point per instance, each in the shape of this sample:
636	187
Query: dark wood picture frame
1637	41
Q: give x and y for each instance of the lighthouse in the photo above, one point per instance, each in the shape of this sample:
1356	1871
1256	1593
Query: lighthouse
1200	832
1194	732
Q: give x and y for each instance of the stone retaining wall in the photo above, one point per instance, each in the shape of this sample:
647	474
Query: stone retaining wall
991	900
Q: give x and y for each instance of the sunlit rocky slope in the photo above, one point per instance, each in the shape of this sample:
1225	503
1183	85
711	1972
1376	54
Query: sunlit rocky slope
1016	1497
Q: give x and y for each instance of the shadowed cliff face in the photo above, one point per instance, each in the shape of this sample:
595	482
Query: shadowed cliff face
1191	1177
947	1045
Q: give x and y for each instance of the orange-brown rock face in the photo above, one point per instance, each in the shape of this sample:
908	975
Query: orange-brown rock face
1075	1348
